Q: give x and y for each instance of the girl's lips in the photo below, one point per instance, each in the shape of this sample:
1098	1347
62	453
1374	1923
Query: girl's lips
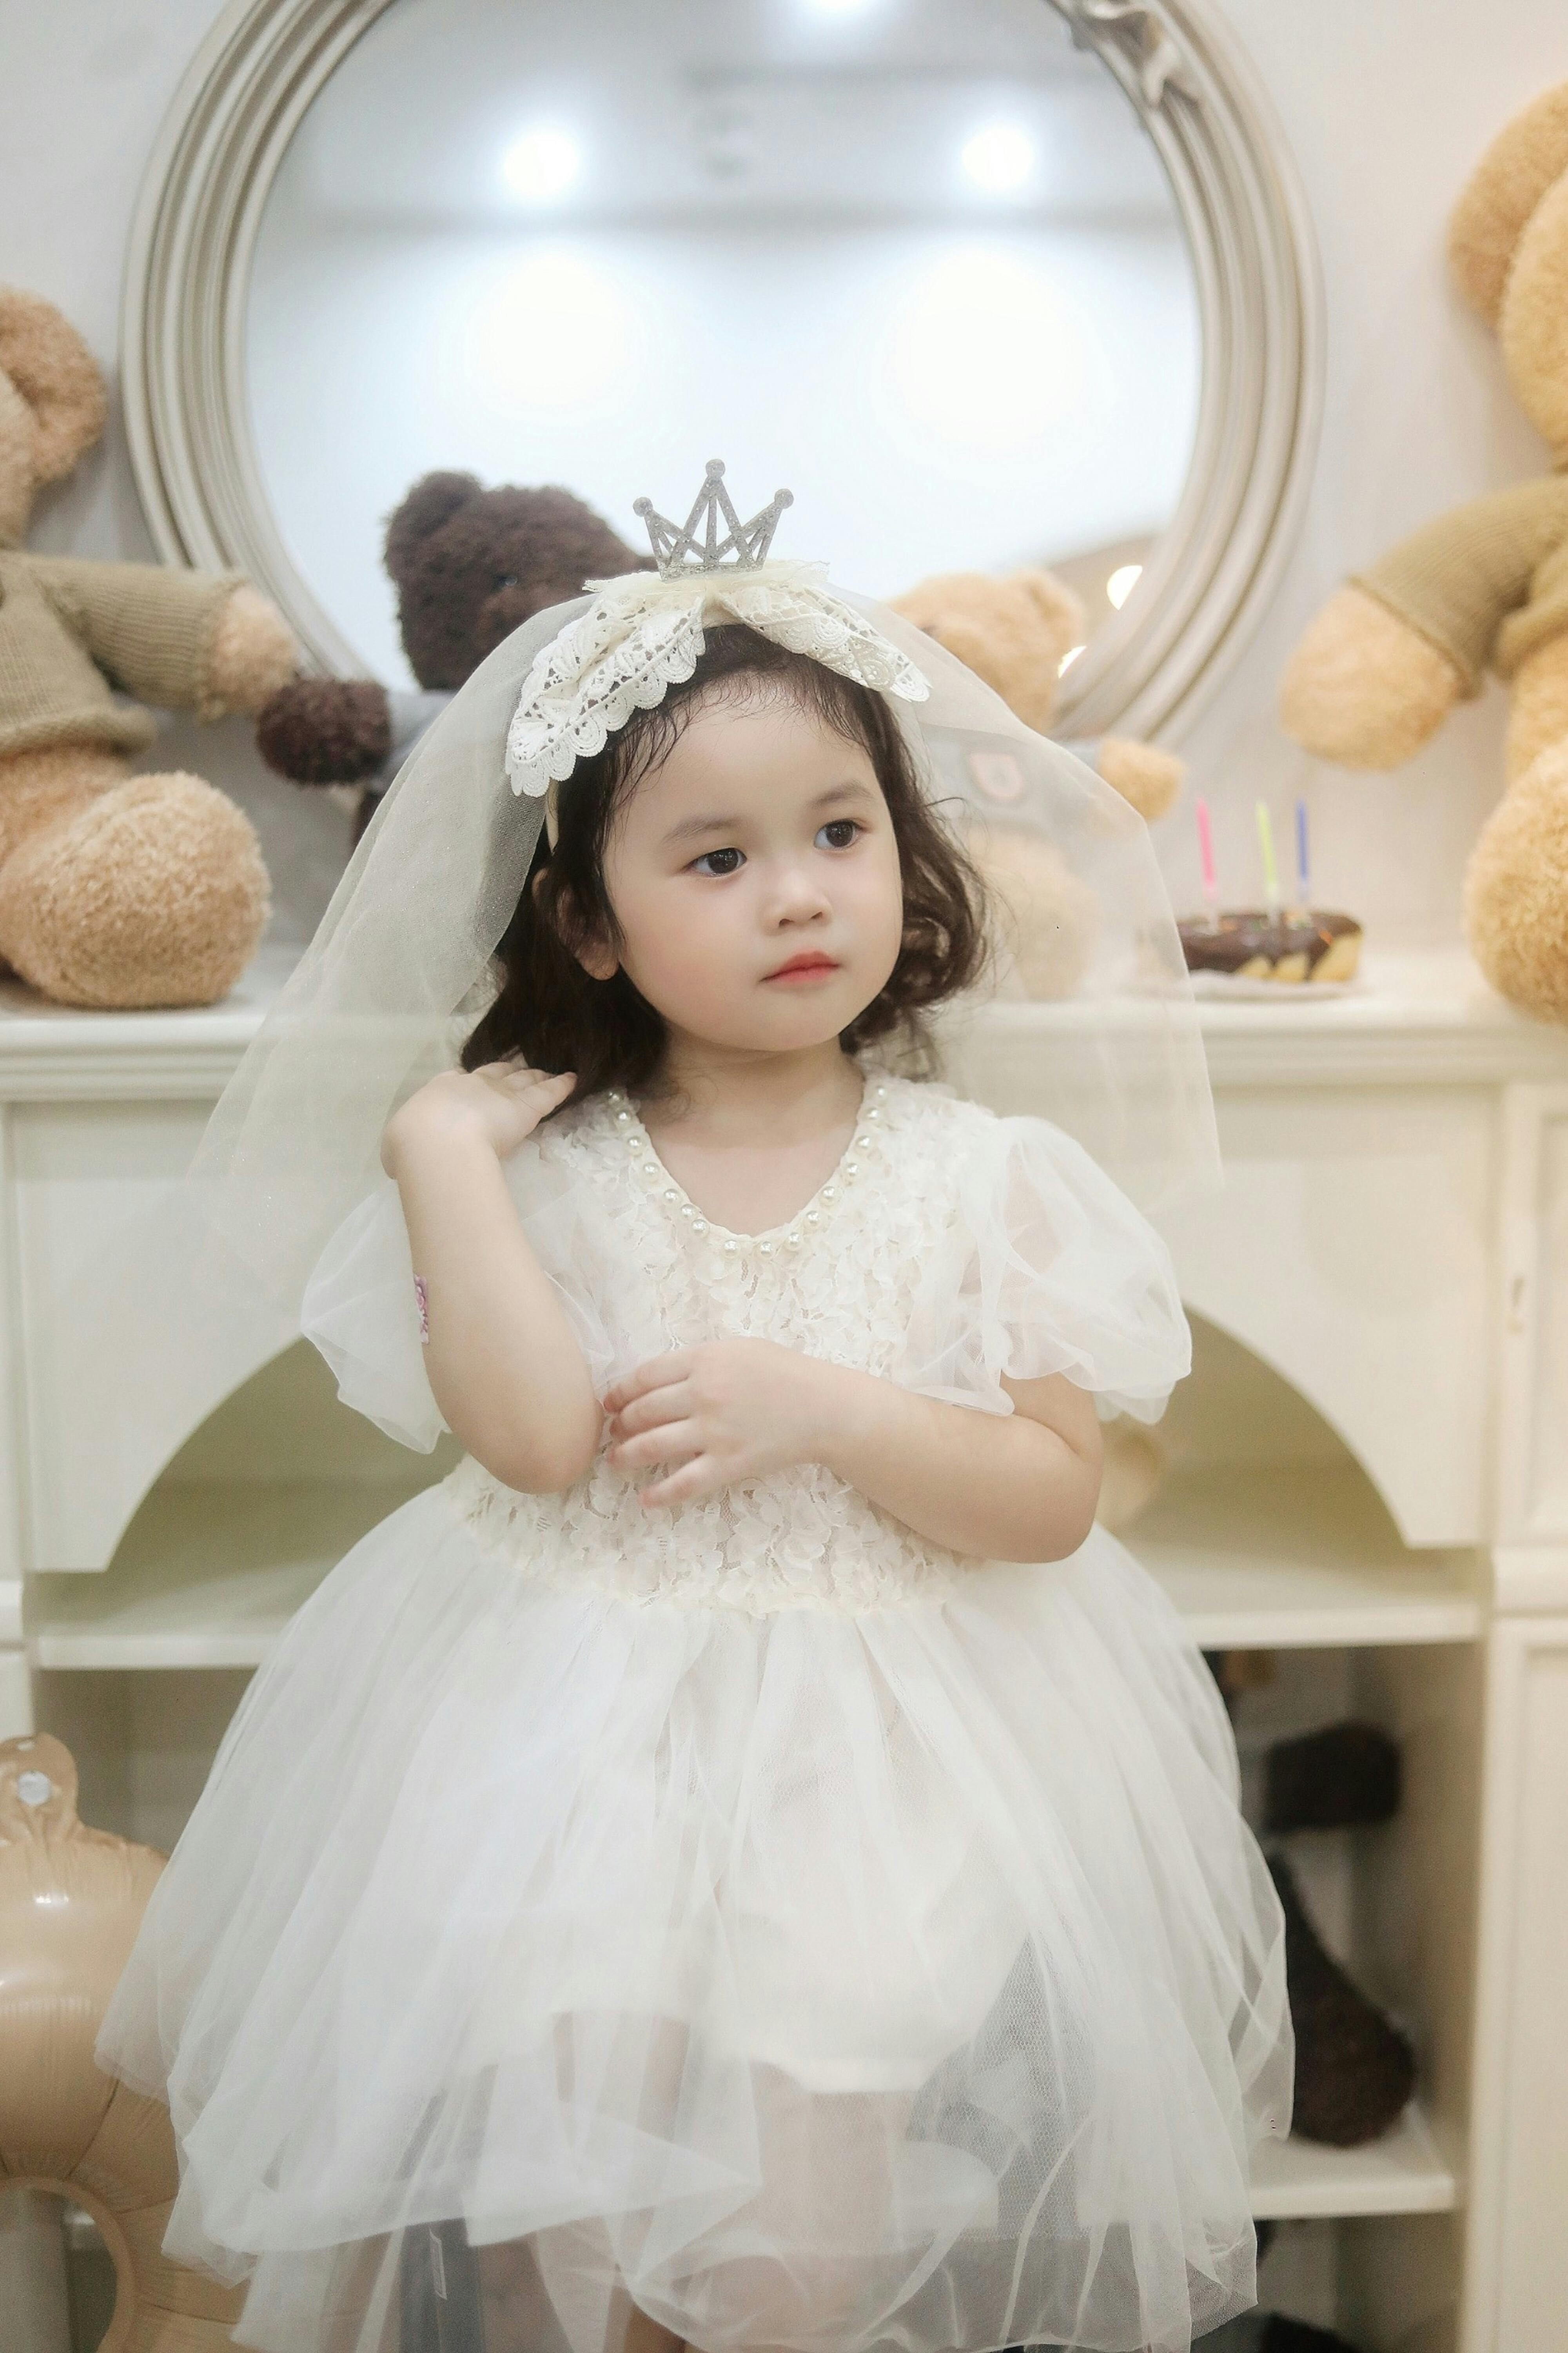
812	969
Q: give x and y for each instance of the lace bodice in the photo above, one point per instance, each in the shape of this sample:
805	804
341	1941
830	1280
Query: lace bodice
949	1247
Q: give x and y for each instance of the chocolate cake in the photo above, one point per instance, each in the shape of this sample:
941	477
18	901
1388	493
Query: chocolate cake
1252	944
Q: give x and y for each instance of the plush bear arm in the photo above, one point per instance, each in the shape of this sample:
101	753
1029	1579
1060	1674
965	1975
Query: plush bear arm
253	652
326	731
1148	778
1363	688
149	627
1456	580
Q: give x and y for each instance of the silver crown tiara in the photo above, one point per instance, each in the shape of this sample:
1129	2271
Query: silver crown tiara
676	548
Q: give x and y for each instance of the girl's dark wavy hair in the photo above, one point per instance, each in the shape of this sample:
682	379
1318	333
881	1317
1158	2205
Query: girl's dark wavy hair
549	1013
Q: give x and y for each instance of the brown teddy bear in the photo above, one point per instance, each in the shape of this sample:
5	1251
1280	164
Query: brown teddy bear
1014	633
115	890
1485	587
469	566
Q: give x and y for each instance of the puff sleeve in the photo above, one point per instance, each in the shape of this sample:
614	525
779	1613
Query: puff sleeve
1047	1268
360	1309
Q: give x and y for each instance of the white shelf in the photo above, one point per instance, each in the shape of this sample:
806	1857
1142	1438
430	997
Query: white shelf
1403	2173
1425	1016
208	1576
1417	1017
1298	1558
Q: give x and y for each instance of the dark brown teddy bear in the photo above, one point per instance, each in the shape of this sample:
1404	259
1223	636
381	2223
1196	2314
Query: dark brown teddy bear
469	565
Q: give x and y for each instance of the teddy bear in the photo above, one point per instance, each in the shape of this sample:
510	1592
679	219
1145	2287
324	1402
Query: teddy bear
1486	587
116	889
1015	634
469	565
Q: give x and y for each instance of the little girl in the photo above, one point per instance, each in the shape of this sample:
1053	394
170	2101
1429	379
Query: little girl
744	1861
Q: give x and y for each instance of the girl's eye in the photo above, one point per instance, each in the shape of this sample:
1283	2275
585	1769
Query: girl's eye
702	866
835	824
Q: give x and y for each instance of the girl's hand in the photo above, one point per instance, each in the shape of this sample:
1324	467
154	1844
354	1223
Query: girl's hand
723	1411
500	1104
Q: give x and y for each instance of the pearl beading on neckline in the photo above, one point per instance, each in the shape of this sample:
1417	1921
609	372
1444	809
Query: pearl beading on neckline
765	1245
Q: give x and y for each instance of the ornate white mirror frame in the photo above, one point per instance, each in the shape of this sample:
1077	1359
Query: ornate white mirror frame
1247	230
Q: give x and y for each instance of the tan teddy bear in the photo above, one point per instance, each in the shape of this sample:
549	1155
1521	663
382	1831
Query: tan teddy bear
1485	587
115	890
1014	633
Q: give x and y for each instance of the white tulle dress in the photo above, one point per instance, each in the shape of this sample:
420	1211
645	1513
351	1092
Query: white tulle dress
823	1939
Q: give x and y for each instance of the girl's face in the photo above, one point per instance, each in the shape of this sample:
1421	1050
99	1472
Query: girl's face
754	874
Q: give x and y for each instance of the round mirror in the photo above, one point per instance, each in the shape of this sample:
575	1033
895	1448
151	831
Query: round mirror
919	261
986	283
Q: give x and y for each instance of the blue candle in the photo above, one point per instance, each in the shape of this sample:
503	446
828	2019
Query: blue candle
1303	870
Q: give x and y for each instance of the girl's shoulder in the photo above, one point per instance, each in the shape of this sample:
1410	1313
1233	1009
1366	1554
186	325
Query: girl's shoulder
994	1157
581	1131
932	1109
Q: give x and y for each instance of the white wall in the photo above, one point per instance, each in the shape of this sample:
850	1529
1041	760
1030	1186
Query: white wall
1386	106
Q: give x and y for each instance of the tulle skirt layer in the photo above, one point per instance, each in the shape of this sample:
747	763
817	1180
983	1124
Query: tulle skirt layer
819	1981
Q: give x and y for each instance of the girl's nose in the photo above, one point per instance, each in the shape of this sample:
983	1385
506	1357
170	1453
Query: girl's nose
796	893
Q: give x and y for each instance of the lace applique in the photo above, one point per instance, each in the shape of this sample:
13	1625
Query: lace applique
642	635
587	683
809	621
801	1537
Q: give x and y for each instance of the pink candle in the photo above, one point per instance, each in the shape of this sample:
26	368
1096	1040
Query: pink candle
1205	861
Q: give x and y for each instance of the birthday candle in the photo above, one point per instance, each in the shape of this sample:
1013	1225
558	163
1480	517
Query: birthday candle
1270	874
1205	860
1303	868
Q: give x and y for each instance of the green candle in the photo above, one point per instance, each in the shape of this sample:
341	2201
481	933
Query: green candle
1270	874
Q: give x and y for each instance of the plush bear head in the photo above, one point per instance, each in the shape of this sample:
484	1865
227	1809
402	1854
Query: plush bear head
471	564
1012	633
1507	249
53	403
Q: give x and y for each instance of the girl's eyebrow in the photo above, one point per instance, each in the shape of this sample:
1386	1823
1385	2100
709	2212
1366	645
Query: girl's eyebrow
850	789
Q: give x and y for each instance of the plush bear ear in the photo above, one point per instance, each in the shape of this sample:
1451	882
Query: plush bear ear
1533	324
57	376
1056	606
1502	191
432	502
963	636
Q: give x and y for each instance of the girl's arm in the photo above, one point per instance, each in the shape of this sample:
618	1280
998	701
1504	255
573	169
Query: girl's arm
1018	1486
503	1363
1021	1486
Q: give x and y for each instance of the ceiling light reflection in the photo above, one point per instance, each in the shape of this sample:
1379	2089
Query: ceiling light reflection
543	164
999	158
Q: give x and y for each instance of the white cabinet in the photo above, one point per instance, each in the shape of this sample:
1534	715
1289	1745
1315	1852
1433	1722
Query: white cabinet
1532	1395
1370	1483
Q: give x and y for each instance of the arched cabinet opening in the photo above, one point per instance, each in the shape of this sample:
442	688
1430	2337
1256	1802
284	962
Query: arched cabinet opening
139	1667
1290	1570
1266	1529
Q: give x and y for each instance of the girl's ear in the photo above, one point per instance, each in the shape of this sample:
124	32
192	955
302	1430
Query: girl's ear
600	963
598	960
